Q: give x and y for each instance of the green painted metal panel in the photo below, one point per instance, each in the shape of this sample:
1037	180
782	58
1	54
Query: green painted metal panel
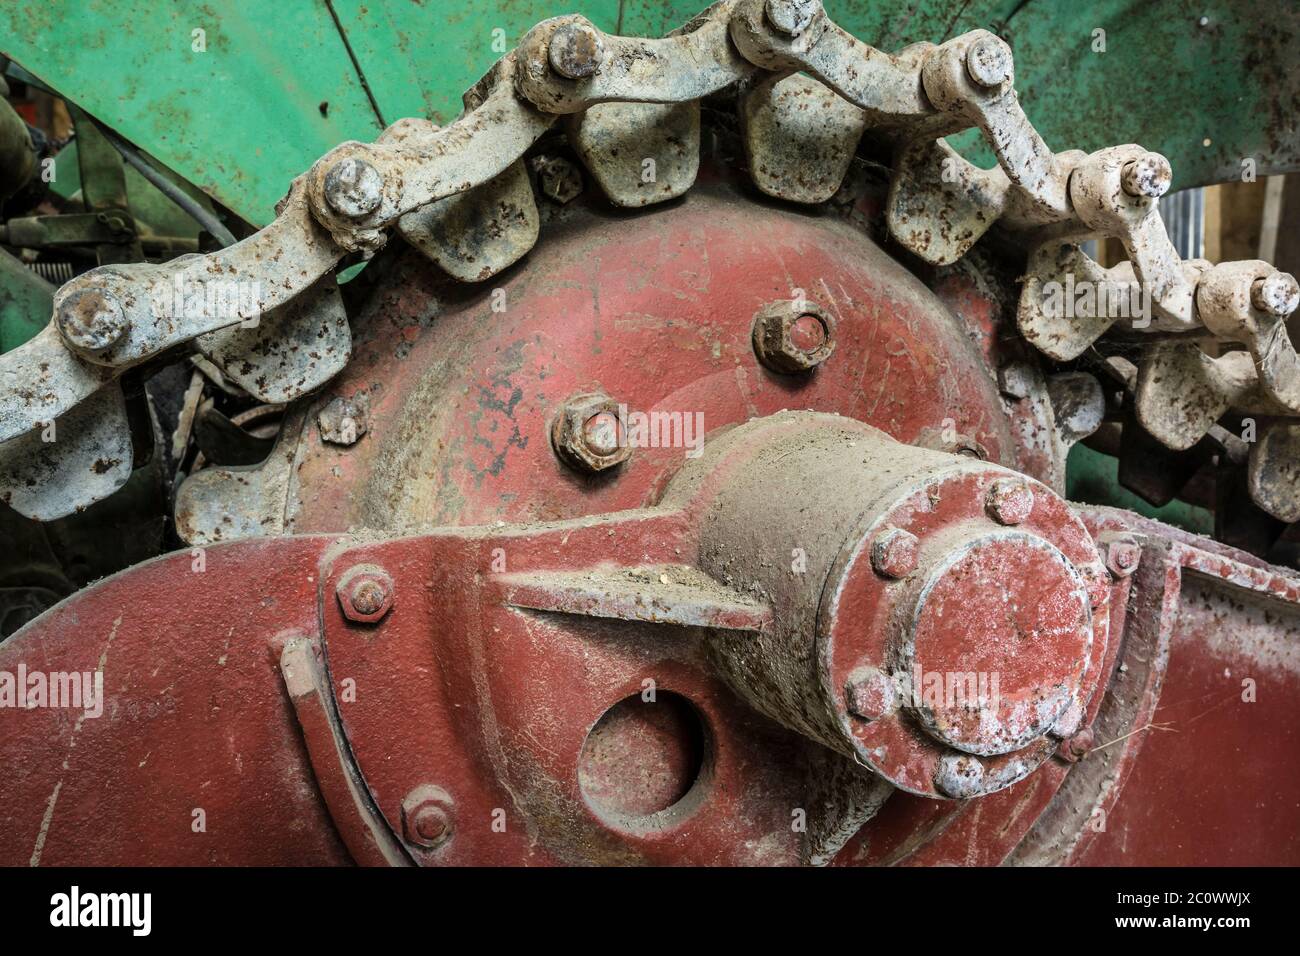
419	56
244	117
1093	478
25	302
240	118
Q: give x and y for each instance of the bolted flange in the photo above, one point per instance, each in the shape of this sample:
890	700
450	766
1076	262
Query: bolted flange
365	593
791	337
588	434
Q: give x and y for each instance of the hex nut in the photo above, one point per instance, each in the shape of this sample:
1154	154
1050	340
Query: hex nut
366	593
870	693
1122	558
894	553
344	420
587	434
427	817
558	178
792	337
1009	501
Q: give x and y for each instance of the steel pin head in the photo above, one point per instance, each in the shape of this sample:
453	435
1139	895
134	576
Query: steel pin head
354	188
1277	294
1149	176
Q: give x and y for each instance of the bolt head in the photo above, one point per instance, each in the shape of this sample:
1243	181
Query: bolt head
91	319
365	593
1122	558
587	434
576	50
1278	294
354	188
1009	501
894	553
989	62
793	337
870	693
1075	748
427	817
558	178
1149	176
792	17
960	776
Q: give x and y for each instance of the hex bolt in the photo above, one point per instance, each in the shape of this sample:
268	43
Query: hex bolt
587	434
91	319
354	188
1278	294
365	593
1009	500
1122	558
988	61
870	693
792	17
894	553
1149	176
558	178
576	50
1076	748
792	337
1016	380
427	817
960	776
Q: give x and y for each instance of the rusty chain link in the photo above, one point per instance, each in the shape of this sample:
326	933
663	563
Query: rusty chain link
283	332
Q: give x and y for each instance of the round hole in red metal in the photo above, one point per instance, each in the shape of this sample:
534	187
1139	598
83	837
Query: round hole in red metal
642	758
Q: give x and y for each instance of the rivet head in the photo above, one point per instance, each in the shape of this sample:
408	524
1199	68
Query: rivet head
1009	501
354	188
91	319
894	553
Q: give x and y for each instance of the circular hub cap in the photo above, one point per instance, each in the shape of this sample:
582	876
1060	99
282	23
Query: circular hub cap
999	642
